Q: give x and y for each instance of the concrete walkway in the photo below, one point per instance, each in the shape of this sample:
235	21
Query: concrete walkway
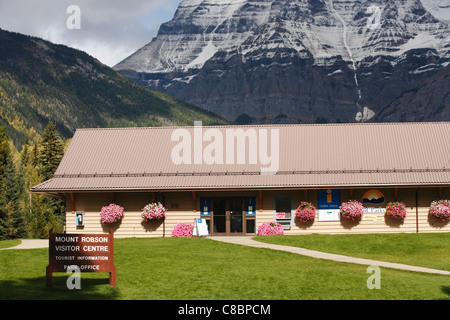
248	241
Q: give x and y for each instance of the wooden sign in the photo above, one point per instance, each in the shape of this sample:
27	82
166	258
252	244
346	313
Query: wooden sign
89	252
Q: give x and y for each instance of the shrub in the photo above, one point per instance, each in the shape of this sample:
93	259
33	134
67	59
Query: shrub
153	211
183	230
352	210
306	212
270	228
111	213
396	210
440	209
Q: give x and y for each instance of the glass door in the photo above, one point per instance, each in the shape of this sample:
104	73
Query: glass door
236	220
219	215
227	216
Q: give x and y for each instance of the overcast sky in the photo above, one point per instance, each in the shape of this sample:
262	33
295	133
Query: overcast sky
110	30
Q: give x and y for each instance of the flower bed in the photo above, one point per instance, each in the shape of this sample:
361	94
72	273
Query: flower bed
270	228
183	230
306	212
396	210
111	213
352	210
440	210
153	212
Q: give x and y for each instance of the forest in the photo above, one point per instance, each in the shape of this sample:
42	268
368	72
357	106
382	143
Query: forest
23	214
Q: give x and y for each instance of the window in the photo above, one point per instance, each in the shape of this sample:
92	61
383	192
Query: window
283	210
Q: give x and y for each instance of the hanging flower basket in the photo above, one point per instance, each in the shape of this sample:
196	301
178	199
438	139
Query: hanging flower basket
183	230
352	210
111	213
153	212
306	212
440	210
396	210
270	228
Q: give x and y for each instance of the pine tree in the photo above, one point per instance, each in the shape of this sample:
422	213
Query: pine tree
4	155
52	151
4	150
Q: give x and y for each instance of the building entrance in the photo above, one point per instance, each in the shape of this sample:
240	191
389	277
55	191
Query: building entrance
228	217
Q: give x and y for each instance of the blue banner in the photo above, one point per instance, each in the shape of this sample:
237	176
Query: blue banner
205	206
329	199
250	206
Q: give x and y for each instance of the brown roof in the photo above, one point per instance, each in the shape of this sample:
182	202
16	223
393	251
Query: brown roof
310	156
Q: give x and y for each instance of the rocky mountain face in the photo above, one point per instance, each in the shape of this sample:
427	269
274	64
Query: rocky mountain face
299	61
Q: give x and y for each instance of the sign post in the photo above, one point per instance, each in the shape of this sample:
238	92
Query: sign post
89	252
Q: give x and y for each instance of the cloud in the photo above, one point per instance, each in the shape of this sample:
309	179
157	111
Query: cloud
110	29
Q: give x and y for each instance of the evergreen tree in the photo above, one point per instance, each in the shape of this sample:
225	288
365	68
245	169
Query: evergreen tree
4	151
35	155
19	215
51	210
4	155
52	151
12	208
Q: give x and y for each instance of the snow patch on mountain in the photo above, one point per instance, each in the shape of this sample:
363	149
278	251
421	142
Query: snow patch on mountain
438	8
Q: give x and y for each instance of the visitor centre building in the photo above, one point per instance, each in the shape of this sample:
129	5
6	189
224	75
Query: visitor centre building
238	177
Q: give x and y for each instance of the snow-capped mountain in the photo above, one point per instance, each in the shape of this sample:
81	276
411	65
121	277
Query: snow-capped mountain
295	60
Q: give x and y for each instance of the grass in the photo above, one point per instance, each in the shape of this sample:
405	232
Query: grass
9	243
419	249
203	269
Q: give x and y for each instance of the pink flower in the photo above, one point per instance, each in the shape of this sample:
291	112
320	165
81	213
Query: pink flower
111	213
396	210
306	212
183	230
153	211
440	210
352	210
270	228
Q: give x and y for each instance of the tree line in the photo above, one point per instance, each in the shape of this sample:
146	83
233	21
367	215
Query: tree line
22	214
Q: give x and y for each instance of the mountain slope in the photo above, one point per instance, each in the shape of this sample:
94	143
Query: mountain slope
41	81
293	61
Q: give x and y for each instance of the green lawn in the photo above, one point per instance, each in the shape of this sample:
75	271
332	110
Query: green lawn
430	250
203	269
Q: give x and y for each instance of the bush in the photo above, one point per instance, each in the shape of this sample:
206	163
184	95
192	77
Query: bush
270	228
440	210
111	213
153	211
306	212
183	230
352	210
396	210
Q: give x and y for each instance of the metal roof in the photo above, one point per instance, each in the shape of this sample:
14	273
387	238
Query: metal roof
309	156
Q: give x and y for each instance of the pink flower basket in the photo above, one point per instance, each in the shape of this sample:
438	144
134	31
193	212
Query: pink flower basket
153	212
352	210
440	210
183	230
270	228
396	210
111	213
306	212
